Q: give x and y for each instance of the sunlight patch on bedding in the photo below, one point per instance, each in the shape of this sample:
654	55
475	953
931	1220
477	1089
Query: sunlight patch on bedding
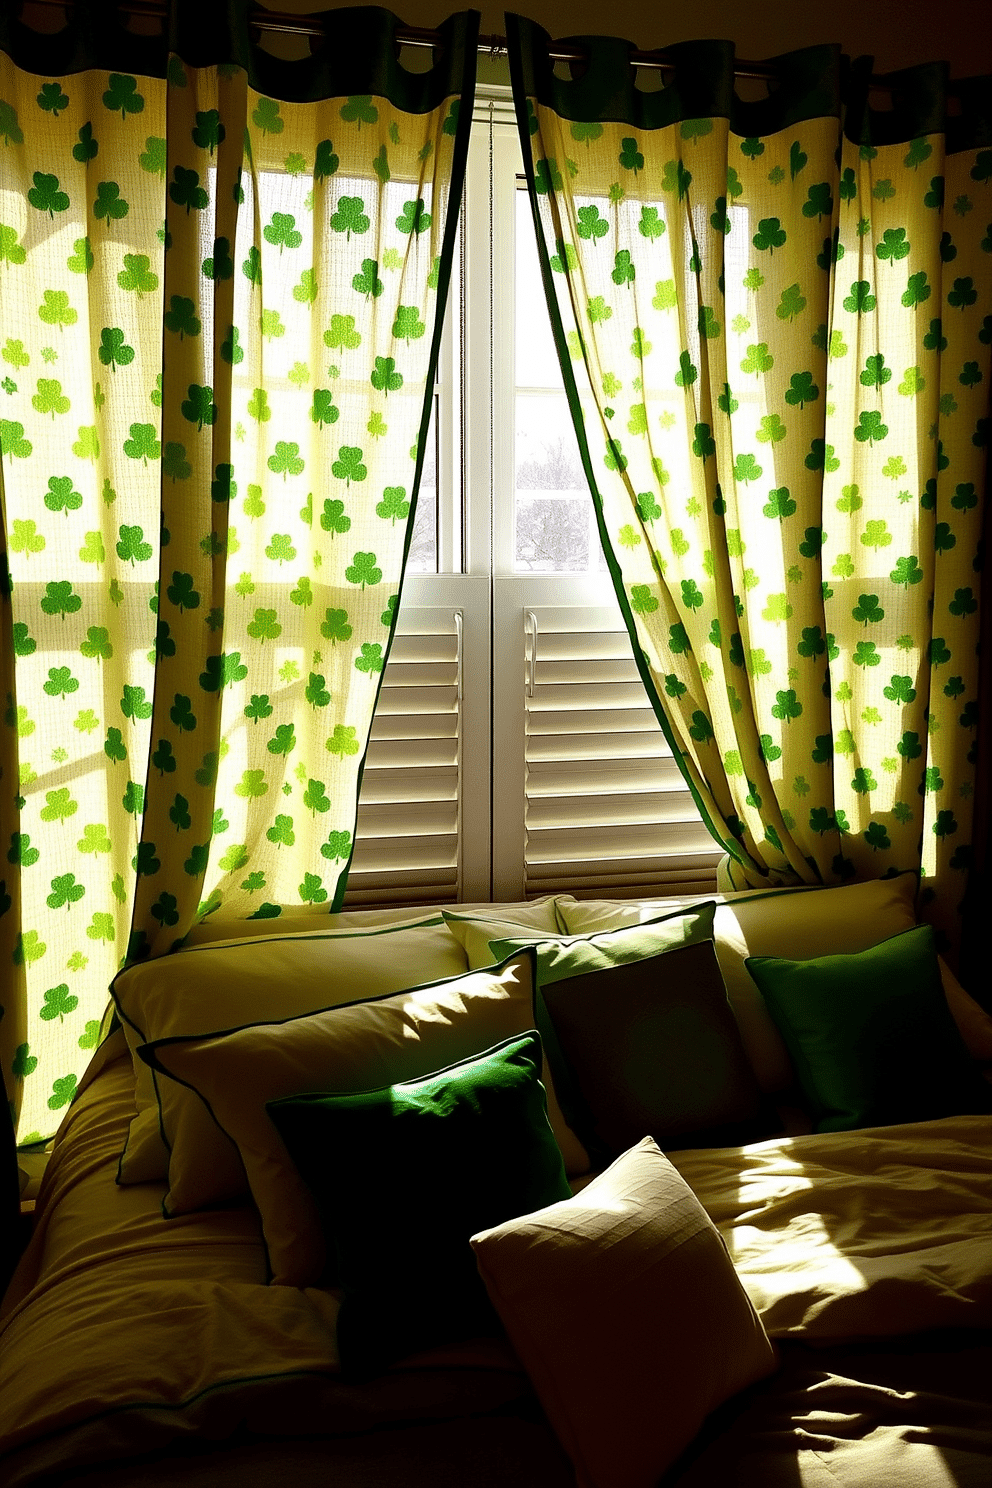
911	1463
770	1262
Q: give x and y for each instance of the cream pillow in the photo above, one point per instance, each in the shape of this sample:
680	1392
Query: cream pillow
227	1078
522	921
255	979
796	924
627	1314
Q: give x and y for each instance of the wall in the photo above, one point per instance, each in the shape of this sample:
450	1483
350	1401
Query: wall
898	33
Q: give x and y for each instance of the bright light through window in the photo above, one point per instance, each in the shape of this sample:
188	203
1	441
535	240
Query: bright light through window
555	526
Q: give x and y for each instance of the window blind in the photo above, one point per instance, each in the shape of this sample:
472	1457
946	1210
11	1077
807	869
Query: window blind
407	839
606	808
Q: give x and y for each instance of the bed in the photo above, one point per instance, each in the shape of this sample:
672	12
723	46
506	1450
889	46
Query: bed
140	1349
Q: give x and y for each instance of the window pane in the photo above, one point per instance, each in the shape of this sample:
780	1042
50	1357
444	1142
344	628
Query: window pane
537	360
423	545
555	527
555	523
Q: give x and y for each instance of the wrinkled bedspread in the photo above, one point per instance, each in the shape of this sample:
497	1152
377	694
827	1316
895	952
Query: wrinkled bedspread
124	1334
865	1234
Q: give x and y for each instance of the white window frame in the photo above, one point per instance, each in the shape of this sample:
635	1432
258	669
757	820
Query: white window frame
496	663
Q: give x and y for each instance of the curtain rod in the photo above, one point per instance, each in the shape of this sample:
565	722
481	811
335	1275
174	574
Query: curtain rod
288	24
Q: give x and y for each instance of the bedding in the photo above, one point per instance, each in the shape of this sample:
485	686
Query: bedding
625	1307
794	923
214	1090
853	1248
870	1035
292	968
639	1034
224	984
124	1334
127	1337
403	1176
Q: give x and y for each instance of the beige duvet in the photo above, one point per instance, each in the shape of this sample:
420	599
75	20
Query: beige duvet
125	1334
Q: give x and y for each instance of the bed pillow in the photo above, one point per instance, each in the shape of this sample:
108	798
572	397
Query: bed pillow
475	931
226	1079
871	1036
640	1037
628	1316
651	1047
485	940
797	923
403	1176
256	978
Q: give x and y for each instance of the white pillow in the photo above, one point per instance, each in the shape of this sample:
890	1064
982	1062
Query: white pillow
254	979
797	924
627	1314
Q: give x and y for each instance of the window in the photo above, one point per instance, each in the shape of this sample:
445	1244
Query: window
514	751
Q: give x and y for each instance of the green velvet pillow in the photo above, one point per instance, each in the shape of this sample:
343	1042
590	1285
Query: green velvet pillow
871	1036
403	1176
641	1040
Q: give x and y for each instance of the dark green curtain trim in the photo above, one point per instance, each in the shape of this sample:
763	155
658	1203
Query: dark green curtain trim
920	107
918	98
464	86
812	83
94	36
807	85
358	54
719	832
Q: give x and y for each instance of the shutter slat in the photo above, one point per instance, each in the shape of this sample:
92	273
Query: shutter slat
572	671
419	673
413	753
379	893
396	786
596	721
584	844
386	854
395	727
628	809
596	745
434	700
416	649
594	645
574	777
631	878
561	697
401	820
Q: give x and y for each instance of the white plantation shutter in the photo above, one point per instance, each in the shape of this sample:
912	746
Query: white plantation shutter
606	808
407	841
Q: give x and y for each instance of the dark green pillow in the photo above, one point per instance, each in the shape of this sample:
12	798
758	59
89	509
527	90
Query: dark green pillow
646	1047
871	1036
403	1176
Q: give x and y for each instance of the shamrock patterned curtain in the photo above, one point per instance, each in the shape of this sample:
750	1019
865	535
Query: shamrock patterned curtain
779	367
221	284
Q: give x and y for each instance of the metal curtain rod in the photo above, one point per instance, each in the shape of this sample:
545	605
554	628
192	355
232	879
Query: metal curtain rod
285	24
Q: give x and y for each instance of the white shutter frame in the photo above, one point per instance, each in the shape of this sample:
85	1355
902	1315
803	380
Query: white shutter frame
418	788
604	806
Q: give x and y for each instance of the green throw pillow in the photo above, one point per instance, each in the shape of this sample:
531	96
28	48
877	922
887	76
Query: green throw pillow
641	1039
871	1036
402	1177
